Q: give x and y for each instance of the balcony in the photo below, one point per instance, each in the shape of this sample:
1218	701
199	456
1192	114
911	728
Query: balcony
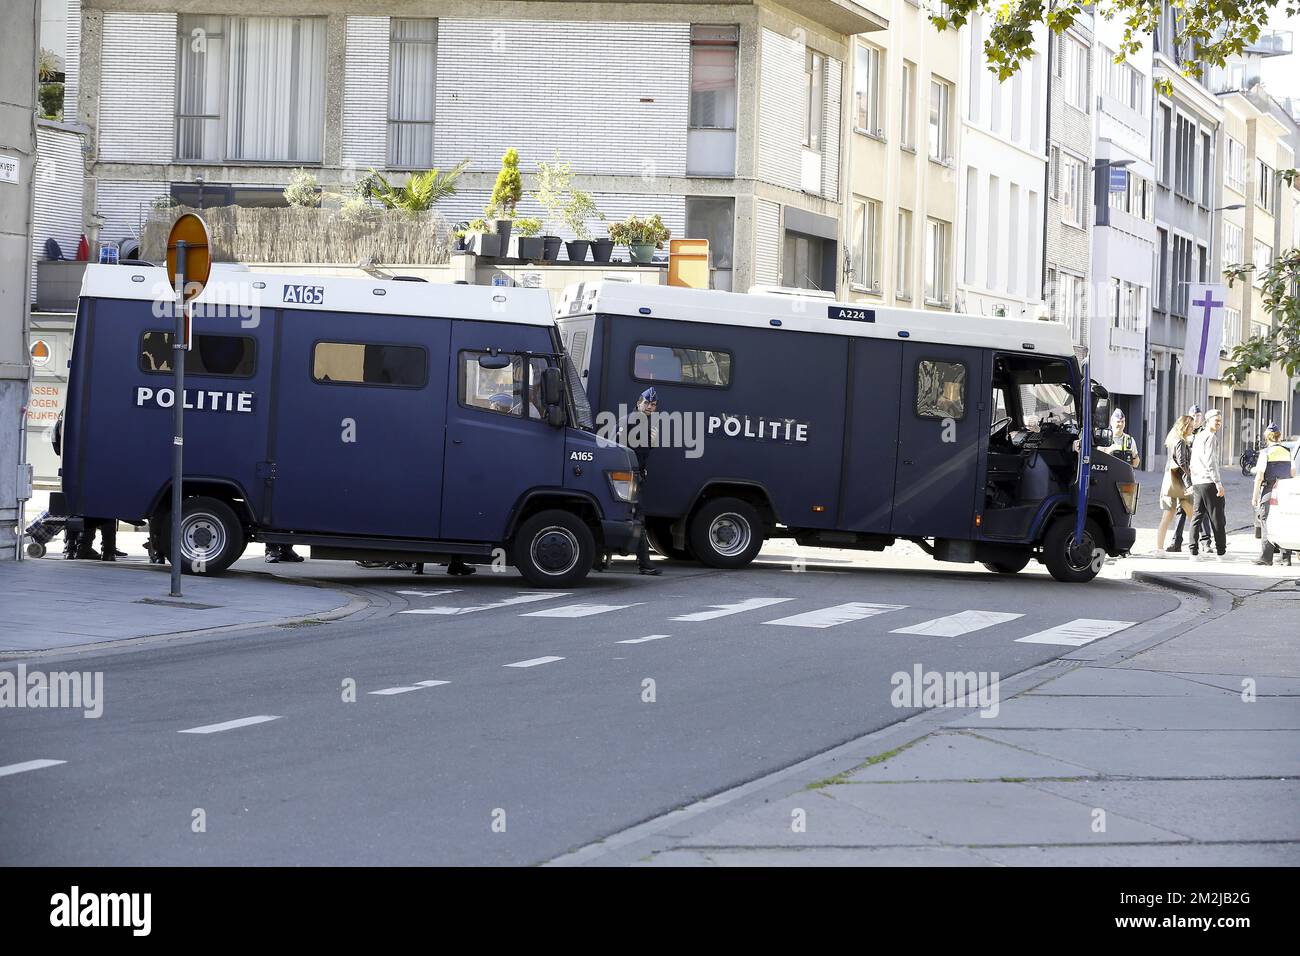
1271	43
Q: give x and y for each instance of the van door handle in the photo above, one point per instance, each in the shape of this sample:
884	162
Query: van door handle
907	461
457	441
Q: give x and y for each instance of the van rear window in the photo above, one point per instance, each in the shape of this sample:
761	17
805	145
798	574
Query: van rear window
666	363
234	356
940	389
366	363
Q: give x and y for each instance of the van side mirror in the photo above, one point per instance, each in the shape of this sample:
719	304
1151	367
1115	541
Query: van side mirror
555	415
494	360
552	387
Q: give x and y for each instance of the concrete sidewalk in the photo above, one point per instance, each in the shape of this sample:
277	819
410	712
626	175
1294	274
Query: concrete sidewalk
51	603
1176	746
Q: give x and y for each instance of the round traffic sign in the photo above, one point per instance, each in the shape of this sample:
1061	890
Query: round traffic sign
193	231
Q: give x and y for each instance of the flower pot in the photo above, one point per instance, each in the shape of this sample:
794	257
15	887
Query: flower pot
577	250
485	244
459	244
503	233
551	248
642	252
601	249
530	247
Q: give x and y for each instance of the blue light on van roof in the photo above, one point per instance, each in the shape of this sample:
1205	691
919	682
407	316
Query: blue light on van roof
774	322
644	310
902	334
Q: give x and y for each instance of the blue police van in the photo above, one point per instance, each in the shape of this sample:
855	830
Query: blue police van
367	419
853	427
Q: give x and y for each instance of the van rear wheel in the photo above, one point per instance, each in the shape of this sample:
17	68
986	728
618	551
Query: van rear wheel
1068	563
554	549
1013	566
726	533
659	533
212	538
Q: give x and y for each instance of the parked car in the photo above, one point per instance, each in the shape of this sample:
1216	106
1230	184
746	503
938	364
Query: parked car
1284	506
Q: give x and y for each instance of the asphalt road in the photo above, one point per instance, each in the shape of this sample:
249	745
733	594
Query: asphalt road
502	764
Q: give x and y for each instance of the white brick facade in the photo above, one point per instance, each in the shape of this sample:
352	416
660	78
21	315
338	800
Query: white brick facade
365	93
137	89
59	185
781	108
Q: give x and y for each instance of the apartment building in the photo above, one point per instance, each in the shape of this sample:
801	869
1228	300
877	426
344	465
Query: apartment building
725	118
1187	127
1070	133
901	170
1124	231
1001	182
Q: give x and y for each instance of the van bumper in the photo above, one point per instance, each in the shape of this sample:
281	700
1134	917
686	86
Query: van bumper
621	537
1125	538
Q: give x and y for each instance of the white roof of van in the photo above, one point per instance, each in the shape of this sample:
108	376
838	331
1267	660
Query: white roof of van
809	314
232	285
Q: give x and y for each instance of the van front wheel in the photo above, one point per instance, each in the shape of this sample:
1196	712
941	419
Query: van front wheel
1013	566
554	549
1065	561
726	533
212	539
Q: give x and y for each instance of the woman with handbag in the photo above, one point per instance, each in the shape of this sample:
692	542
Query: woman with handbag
1175	487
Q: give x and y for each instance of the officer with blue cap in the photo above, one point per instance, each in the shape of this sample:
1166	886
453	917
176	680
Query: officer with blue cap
1273	465
639	430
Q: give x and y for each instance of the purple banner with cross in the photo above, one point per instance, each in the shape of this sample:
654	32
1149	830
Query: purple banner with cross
1205	312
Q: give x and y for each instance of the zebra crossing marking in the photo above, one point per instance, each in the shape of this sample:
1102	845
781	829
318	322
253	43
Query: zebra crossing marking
836	614
723	610
524	597
579	610
955	625
1076	633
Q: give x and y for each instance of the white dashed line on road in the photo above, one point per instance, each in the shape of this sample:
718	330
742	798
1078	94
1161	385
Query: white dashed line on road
228	725
406	689
955	625
427	594
523	598
1076	633
28	765
579	610
723	610
642	640
837	614
534	662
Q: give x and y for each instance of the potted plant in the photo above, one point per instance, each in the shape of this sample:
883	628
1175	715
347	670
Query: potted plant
602	248
420	192
506	193
563	203
530	245
641	236
480	239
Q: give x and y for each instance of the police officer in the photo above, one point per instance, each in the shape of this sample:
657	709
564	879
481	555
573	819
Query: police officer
1274	463
640	431
1122	443
275	553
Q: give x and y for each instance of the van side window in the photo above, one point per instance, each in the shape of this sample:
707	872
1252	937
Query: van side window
505	391
226	355
940	389
365	363
664	363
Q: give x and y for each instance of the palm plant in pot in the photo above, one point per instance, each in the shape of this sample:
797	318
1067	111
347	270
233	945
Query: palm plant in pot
529	244
506	193
641	236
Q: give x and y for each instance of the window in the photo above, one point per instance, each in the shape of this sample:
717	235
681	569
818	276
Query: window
1122	81
1072	69
1135	198
219	355
714	53
866	91
994	236
804	261
866	244
814	99
1262	256
714	220
940	389
1231	329
365	363
940	97
1128	305
936	261
1233	237
1163	142
1180	276
1161	268
1071	188
1235	165
664	363
1185	158
903	276
1264	194
503	390
1069	305
214	195
1207	171
250	89
907	106
412	72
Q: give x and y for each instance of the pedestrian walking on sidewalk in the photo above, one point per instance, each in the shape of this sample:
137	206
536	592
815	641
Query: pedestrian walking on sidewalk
1176	485
1273	465
1207	484
1199	530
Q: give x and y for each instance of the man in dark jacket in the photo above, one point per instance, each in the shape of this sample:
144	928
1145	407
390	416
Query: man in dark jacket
640	431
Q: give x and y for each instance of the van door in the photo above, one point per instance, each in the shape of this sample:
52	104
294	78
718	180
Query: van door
359	419
498	442
941	412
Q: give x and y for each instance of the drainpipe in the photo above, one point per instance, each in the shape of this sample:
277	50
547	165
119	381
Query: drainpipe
1047	169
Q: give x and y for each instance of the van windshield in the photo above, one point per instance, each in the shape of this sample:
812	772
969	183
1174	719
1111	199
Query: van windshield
1043	402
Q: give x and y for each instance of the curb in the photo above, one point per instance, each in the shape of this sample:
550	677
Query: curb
1182	583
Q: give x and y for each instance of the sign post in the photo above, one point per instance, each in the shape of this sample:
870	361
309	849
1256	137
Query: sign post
188	263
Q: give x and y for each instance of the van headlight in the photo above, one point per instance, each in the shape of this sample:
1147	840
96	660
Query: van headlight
1128	493
623	484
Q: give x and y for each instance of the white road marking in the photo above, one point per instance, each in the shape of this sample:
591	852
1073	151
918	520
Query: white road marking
837	614
722	610
524	597
430	593
579	610
28	765
954	625
228	725
418	685
534	662
1076	633
642	640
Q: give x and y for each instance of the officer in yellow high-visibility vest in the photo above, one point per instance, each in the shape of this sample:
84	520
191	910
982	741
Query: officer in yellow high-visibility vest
1279	457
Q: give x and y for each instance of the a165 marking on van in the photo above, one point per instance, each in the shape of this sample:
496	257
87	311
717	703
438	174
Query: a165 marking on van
582	456
305	294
